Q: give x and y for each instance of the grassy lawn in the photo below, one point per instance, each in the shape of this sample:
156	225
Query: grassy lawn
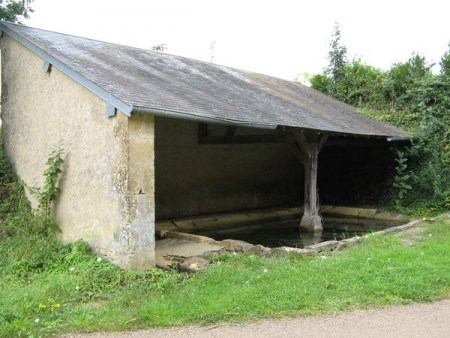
47	287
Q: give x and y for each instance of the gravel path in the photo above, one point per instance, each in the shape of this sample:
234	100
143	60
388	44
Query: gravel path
417	320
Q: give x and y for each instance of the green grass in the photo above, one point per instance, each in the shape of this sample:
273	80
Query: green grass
81	293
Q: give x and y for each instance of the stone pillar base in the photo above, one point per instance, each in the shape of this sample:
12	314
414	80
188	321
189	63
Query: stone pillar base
311	224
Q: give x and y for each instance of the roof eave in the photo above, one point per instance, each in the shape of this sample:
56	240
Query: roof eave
393	137
201	119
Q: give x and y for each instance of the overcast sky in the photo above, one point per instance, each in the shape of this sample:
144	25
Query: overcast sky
281	38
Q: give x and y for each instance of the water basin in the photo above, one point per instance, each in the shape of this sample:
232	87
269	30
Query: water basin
288	234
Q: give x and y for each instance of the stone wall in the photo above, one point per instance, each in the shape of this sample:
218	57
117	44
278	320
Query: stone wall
107	184
198	179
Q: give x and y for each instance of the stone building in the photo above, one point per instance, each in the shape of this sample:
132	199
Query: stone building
152	136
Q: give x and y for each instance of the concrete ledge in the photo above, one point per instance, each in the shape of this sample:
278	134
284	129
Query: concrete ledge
189	237
185	225
359	213
235	245
342	211
297	251
226	221
188	245
390	216
268	218
352	241
272	215
165	226
325	208
368	213
400	228
328	245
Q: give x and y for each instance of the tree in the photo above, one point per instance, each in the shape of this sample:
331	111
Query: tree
337	57
320	82
362	84
410	96
159	48
445	62
331	82
15	10
407	76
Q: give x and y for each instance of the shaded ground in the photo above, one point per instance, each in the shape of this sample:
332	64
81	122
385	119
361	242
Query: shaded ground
417	320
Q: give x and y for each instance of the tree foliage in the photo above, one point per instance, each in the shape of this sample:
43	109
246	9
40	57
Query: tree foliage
15	10
409	96
445	62
159	48
337	63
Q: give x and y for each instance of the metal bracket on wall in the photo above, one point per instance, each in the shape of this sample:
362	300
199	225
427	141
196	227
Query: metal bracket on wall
110	110
47	67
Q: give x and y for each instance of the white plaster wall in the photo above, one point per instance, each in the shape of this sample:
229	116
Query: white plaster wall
44	109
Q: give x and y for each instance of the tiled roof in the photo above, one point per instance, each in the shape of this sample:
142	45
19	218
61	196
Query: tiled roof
139	78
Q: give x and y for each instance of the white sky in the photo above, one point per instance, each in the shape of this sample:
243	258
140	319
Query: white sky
283	38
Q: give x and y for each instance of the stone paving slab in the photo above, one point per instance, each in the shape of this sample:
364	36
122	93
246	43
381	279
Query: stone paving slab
183	248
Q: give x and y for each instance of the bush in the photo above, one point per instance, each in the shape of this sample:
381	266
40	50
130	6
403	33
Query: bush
7	175
411	97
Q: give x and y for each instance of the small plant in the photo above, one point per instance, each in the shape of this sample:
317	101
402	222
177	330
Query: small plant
7	176
447	200
48	193
401	178
50	305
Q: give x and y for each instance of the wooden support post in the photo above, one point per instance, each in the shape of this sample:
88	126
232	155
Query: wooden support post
311	220
310	145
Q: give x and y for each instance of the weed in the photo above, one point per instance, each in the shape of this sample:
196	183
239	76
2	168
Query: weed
16	216
48	193
401	179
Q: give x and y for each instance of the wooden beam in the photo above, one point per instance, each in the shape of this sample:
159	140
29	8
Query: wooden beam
243	139
302	142
298	153
230	131
322	140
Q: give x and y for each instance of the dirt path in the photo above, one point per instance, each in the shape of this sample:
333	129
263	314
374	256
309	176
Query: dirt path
418	320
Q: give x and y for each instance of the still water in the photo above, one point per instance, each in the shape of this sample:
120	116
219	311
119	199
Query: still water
288	234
